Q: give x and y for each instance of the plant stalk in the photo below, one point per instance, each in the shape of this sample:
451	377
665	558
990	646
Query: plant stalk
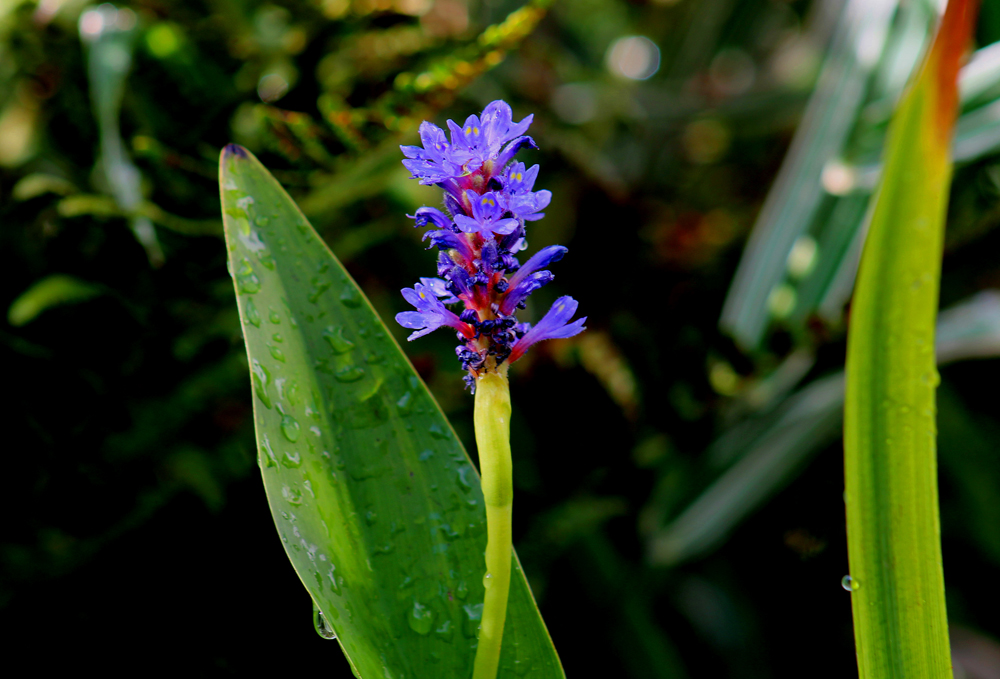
492	420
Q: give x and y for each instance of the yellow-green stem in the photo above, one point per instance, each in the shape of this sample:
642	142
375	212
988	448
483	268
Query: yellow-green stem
492	419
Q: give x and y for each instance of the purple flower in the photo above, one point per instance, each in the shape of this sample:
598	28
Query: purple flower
430	315
481	138
449	240
555	324
529	277
431	215
434	162
521	201
479	142
487	215
440	288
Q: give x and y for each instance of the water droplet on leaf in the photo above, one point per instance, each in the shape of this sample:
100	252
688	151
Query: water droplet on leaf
247	281
260	378
350	297
290	428
292	495
322	626
319	286
252	314
473	615
351	373
334	335
849	583
421	618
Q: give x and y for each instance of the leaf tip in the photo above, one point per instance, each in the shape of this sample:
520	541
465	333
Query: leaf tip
234	150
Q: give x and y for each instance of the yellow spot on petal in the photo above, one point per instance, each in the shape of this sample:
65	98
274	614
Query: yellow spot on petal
468	130
476	130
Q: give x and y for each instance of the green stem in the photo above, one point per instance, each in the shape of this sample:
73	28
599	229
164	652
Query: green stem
492	419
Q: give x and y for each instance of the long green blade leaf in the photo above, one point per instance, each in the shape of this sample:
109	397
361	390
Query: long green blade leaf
900	622
375	500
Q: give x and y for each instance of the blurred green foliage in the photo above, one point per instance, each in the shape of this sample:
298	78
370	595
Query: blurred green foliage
136	524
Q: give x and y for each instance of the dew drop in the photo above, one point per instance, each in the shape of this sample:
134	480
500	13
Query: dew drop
462	590
267	454
371	358
370	517
405	404
322	626
351	373
334	335
262	221
274	317
436	432
473	615
319	286
266	259
445	631
464	473
260	378
290	428
849	583
246	279
350	297
292	495
487	580
277	337
334	585
276	353
292	460
252	314
421	618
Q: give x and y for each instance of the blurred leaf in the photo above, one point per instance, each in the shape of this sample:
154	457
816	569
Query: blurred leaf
770	447
110	34
49	292
376	502
893	526
797	191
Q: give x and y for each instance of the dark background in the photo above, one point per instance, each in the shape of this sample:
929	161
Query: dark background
136	537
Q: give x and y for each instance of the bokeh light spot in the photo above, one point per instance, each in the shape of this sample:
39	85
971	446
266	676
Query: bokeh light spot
635	57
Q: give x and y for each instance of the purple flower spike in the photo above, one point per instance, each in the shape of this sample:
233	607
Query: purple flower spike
430	315
554	325
487	215
488	200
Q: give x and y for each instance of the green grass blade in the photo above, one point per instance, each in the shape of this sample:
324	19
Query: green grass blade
900	622
376	502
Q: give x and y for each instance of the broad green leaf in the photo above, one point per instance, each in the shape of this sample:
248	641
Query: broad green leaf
49	292
893	528
375	500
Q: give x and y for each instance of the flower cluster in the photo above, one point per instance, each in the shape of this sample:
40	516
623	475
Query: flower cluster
488	198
